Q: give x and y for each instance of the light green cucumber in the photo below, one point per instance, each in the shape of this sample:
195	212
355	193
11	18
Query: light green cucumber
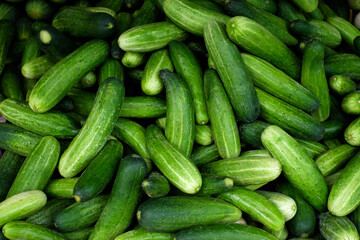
110	68
35	68
342	85
203	135
61	188
142	234
352	134
133	59
348	31
351	103
307	5
336	228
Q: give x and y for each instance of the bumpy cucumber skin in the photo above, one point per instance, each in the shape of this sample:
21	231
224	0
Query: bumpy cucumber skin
332	227
298	167
133	59
35	68
61	188
10	163
203	135
7	33
233	73
169	214
351	133
142	234
342	85
313	148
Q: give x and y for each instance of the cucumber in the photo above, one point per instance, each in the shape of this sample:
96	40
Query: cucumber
331	179
82	234
150	81
350	103
269	78
7	34
87	81
23	28
133	59
344	194
271	22
281	234
256	153
275	111
333	128
209	5
336	112
123	22
212	185
45	217
132	4
38	25
142	107
203	135
180	122
245	170
8	12
115	50
137	39
257	206
204	154
115	5
10	84
31	51
304	222
288	12
306	5
326	10
15	51
80	215
315	15
342	85
223	123
176	167
268	6
188	67
250	133
10	164
298	167
156	185
351	134
51	123
43	97
21	206
332	227
312	148
100	123
124	199
142	234
99	173
79	22
196	15
17	140
232	72
37	67
38	9
169	214
348	31
343	64
61	188
111	68
333	143
224	231
148	13
313	77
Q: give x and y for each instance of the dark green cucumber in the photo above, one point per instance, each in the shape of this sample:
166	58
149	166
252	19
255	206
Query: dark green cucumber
52	123
23	28
72	20
343	64
99	173
35	68
8	12
332	227
10	164
32	50
176	167
54	43
44	96
111	68
304	222
313	77
132	4
298	167
180	122
351	134
80	215
102	10
196	15
137	39
100	122
288	12
326	10
15	51
156	185
61	188
133	59
245	170
205	154
315	15
188	67
112	4
7	33
336	112
269	78
275	111
257	206
29	231
223	123
306	5
210	5
232	71
148	13
212	184
271	22
115	50
38	9
142	234
82	234
168	214
124	199
45	217
350	103
348	31
37	168
17	140
342	85
250	133
203	135
331	179
10	84
312	148
123	22
38	25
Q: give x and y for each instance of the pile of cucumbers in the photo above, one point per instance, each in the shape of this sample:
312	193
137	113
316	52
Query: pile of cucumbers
179	119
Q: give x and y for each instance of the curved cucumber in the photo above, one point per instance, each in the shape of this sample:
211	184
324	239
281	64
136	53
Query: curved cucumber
142	234
342	85
61	188
156	185
332	227
351	134
10	163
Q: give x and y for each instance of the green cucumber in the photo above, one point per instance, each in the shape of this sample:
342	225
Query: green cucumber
142	234
161	122
209	5
102	10
133	59
7	34
342	85
80	215
250	133
87	81
38	9
44	96
257	206
15	51
271	22
148	13
82	234
298	167
245	170
232	71
212	185
156	185
188	67
203	135
159	34
256	153
312	148
23	28
17	140
168	214
350	103
124	199
132	4
115	5
333	143
331	179
204	154
269	6
326	10
37	67
275	111
10	84
10	164
196	15
281	234
115	50
100	123
111	68
269	78
351	134
348	31
180	122
72	20
123	22
38	25
336	112
45	217
223	123
32	50
51	123
288	12
306	5
21	206
8	12
245	31
99	173
150	81
332	227
61	188
343	64
315	15
304	222
176	167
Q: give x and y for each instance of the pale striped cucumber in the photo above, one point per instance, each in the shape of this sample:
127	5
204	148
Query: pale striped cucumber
203	135
223	123
342	85
35	68
256	153
142	234
352	134
111	68
350	103
133	59
337	228
348	31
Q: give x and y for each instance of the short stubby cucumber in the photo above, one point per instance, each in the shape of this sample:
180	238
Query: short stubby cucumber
332	227
342	85
351	103
351	134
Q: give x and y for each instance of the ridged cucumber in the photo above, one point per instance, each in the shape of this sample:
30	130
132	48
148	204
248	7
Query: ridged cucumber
10	163
156	185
